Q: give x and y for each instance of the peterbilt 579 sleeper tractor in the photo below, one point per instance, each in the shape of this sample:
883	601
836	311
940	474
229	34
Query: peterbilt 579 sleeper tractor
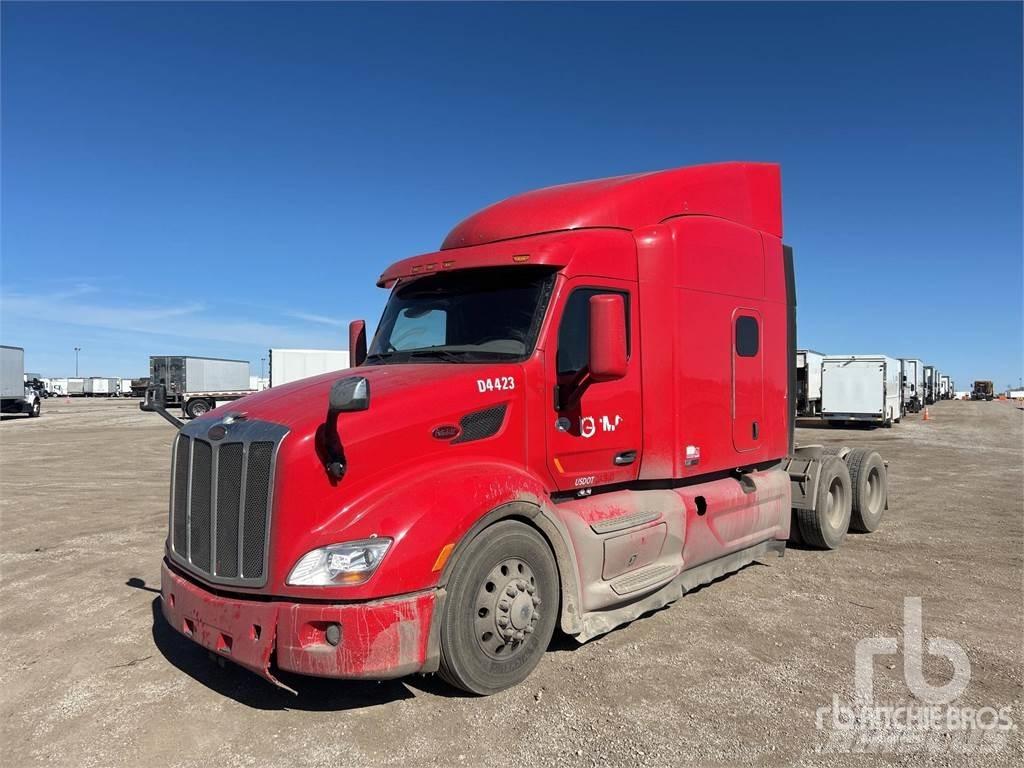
578	409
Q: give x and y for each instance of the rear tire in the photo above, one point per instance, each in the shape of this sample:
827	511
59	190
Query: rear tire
870	484
501	609
825	526
198	407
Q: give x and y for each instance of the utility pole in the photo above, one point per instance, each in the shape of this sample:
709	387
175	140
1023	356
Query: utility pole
77	350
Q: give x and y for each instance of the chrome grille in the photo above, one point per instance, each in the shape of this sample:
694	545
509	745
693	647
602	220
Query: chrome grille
222	498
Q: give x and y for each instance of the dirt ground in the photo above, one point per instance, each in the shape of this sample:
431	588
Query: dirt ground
732	674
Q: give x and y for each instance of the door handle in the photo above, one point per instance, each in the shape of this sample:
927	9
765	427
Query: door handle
754	430
625	458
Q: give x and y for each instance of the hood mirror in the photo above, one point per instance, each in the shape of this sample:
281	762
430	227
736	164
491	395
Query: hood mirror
350	394
347	395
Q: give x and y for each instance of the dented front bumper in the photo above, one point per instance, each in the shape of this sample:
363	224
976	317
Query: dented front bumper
378	639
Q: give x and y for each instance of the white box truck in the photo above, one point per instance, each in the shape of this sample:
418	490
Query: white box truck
15	396
58	387
76	386
197	384
913	384
862	388
287	365
808	382
100	386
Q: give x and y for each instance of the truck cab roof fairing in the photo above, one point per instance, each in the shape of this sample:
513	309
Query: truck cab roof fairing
746	193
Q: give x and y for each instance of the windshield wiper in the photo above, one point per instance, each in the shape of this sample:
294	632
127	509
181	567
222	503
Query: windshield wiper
441	354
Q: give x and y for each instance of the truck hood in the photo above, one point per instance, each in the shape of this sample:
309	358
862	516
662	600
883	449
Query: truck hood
423	418
401	397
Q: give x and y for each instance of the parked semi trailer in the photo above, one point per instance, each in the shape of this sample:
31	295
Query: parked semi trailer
288	365
945	387
580	408
808	382
15	395
76	387
931	385
983	390
862	388
197	384
913	384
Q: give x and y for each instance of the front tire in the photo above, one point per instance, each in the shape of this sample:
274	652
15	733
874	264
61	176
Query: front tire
36	409
501	609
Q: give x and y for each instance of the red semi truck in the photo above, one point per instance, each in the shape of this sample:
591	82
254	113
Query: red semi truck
578	409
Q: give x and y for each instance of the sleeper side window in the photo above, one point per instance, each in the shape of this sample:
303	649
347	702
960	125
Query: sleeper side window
747	336
574	331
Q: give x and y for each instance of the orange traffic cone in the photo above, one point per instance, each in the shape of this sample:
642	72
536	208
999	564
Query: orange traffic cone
926	417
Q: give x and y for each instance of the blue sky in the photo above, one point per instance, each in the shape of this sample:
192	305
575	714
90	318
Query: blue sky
219	179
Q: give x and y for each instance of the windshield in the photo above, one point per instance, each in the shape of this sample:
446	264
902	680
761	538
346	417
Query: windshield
465	316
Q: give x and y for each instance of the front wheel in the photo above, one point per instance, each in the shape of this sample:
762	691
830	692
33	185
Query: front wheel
501	609
36	409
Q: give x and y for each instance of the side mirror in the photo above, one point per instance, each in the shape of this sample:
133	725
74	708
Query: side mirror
356	343
349	394
608	359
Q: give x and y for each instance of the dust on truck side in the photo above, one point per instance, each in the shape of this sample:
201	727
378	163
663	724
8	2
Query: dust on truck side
578	409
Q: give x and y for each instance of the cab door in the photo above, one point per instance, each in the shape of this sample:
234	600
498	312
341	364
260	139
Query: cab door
593	430
747	380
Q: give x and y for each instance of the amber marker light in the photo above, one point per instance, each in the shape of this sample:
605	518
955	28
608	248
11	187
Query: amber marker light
442	557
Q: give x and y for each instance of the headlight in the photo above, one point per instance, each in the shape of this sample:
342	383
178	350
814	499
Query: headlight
352	562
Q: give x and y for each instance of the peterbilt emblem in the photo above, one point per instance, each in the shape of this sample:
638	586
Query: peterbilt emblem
217	432
446	432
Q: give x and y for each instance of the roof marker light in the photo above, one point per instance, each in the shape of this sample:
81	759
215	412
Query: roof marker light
520	258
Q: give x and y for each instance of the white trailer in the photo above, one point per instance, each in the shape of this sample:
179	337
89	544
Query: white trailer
862	388
931	385
76	386
913	384
808	382
100	386
288	365
197	384
945	387
15	396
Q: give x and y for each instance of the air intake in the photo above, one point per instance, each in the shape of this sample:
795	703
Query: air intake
481	424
